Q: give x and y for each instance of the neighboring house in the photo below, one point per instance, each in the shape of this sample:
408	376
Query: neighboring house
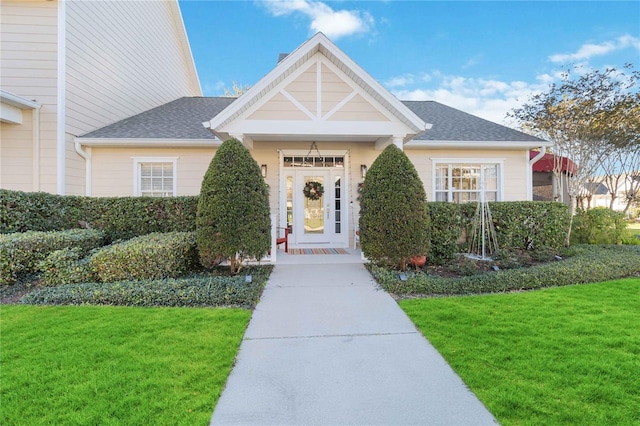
602	197
317	116
70	67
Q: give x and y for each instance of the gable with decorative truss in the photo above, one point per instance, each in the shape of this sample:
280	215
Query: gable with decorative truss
317	92
320	93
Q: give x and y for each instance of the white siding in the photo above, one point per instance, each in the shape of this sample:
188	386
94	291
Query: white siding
123	57
28	64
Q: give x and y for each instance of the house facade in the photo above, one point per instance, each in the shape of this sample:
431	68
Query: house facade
133	126
70	67
316	117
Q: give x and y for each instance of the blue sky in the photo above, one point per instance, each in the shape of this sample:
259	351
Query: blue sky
482	57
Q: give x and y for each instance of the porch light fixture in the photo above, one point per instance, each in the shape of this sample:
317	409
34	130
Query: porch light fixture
263	170
363	170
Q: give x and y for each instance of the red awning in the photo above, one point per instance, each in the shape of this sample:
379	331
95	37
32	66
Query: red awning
545	164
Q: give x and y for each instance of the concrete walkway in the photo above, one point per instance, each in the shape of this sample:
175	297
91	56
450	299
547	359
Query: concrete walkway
325	346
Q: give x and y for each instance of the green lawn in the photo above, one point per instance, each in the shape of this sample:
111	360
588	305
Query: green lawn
115	365
558	356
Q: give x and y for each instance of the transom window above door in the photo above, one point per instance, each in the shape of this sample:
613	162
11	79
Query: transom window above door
463	183
306	161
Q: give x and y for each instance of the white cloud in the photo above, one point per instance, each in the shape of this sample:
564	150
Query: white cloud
400	81
490	99
589	50
333	23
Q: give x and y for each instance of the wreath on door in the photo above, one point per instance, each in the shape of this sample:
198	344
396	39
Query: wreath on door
313	190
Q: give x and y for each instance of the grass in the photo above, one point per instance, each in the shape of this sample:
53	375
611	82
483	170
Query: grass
557	356
115	365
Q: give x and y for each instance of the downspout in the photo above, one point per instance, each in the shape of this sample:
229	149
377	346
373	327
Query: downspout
87	166
61	104
533	161
36	148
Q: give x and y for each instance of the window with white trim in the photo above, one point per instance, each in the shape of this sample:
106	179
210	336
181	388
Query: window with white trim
155	177
462	183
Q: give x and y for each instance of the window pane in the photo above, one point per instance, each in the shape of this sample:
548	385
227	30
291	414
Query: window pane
156	179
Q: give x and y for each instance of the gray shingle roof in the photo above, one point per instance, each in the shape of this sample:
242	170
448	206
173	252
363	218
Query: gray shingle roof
182	119
450	124
179	119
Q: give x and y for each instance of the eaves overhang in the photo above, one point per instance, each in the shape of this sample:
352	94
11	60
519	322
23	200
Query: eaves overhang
426	144
147	143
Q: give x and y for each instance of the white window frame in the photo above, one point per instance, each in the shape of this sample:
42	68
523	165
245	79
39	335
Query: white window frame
138	161
456	162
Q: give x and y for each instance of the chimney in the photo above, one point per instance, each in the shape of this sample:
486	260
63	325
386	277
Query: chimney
281	56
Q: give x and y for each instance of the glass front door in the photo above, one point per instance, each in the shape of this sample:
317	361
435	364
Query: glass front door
318	207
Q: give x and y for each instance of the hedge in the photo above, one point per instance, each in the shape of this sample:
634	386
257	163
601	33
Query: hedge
152	256
22	252
66	266
197	291
117	217
587	264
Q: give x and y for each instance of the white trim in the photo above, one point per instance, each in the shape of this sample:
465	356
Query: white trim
422	144
17	101
297	104
136	171
35	146
468	161
148	142
61	109
86	155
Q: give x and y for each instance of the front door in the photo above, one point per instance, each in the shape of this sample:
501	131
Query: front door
318	220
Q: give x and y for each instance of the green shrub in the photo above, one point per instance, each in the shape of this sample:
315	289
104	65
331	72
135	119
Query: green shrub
446	230
196	291
66	266
586	264
394	221
233	211
117	217
151	256
599	225
22	252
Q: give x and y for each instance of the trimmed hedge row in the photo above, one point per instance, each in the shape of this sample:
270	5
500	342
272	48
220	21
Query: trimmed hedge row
587	264
118	217
197	291
22	252
66	266
151	256
519	225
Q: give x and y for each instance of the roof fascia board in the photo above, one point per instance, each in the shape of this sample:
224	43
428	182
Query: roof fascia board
17	101
475	144
148	142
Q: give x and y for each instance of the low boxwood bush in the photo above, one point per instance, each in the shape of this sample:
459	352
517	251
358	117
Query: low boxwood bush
600	225
586	264
152	256
196	291
66	266
117	217
22	252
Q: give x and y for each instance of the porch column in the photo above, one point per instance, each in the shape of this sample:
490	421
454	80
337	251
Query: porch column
244	139
398	141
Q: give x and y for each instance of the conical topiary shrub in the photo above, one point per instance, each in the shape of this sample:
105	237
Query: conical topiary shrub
394	220
232	221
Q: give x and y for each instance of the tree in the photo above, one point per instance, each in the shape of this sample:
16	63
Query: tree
232	219
394	220
236	90
584	116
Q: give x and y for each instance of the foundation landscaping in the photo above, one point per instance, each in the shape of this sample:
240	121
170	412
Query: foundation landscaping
564	354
